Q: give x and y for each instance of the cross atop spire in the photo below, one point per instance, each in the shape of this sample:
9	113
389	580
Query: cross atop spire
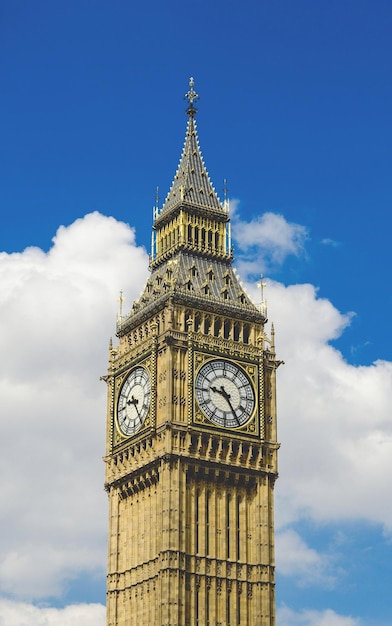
191	96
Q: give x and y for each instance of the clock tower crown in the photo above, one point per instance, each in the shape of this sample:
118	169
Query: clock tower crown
191	257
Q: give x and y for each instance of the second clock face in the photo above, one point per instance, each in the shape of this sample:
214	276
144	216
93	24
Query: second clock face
224	393
134	401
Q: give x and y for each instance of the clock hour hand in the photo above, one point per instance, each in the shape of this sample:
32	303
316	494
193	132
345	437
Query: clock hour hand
222	391
134	401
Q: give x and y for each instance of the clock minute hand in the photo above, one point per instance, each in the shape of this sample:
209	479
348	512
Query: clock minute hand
227	397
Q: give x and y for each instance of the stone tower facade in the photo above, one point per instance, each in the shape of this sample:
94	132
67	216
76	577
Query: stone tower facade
191	454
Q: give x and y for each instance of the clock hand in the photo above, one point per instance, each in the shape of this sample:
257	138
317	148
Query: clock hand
134	401
222	391
227	398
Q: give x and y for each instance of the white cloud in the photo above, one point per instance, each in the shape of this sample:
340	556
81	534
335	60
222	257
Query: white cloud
334	418
22	614
295	558
58	311
287	617
270	238
330	242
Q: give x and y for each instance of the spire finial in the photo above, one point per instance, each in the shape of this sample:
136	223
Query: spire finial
121	300
191	96
263	303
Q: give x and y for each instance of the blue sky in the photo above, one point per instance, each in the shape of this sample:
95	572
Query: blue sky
295	112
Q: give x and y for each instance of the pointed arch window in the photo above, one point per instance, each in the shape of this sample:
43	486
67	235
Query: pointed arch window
207	324
187	319
210	275
197	322
246	333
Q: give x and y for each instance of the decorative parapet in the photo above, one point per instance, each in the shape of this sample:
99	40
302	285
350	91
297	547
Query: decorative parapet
248	312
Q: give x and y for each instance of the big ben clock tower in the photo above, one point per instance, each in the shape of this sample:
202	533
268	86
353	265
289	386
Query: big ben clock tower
191	453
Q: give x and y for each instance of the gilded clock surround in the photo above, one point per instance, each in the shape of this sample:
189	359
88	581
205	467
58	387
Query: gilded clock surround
251	370
191	531
132	411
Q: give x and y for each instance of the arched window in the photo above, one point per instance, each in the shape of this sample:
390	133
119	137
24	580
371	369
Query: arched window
187	317
197	322
246	333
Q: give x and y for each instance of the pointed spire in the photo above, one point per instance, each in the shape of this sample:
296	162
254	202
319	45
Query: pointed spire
191	184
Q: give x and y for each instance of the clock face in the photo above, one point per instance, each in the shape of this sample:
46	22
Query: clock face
134	401
224	393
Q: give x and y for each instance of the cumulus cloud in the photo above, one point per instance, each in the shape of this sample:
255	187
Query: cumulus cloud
334	418
266	240
287	617
20	614
295	558
58	311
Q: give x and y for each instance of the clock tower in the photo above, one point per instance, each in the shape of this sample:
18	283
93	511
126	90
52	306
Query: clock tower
191	452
